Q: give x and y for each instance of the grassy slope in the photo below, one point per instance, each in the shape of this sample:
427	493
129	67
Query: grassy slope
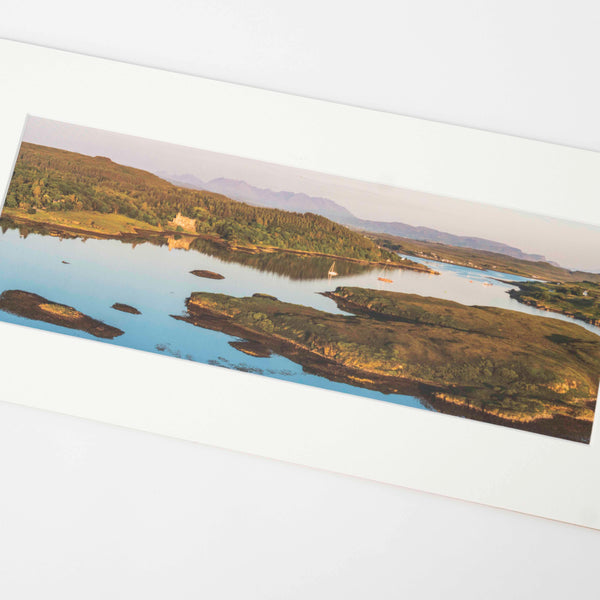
504	363
61	186
94	222
482	259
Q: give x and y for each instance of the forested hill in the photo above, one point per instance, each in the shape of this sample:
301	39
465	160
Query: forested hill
300	202
48	179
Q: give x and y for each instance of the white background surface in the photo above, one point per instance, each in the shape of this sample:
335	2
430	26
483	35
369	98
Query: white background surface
92	510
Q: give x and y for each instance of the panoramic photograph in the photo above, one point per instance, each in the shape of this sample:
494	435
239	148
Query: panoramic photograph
396	295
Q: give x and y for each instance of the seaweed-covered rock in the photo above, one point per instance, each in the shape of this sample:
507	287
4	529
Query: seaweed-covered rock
32	306
207	274
126	308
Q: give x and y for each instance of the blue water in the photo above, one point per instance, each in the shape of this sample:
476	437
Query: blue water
157	281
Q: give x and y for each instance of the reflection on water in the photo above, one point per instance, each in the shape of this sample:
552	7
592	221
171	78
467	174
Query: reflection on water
291	265
154	276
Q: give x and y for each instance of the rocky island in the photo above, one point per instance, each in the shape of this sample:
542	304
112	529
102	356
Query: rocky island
486	363
32	306
207	274
126	308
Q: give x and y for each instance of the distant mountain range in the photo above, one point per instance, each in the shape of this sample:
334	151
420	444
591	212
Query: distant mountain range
303	203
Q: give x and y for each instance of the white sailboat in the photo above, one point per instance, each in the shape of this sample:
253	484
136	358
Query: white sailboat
331	271
382	276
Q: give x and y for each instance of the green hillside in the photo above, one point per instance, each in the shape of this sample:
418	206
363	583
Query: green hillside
486	363
52	185
580	300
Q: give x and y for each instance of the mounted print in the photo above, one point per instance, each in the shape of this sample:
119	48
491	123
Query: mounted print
294	275
364	293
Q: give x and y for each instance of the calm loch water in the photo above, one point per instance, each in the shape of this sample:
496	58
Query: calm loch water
156	280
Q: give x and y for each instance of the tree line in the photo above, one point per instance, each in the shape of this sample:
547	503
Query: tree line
57	180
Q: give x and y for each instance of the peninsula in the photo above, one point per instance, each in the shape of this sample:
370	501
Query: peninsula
481	259
490	364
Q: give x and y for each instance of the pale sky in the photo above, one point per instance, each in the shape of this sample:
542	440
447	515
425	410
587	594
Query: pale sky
571	244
